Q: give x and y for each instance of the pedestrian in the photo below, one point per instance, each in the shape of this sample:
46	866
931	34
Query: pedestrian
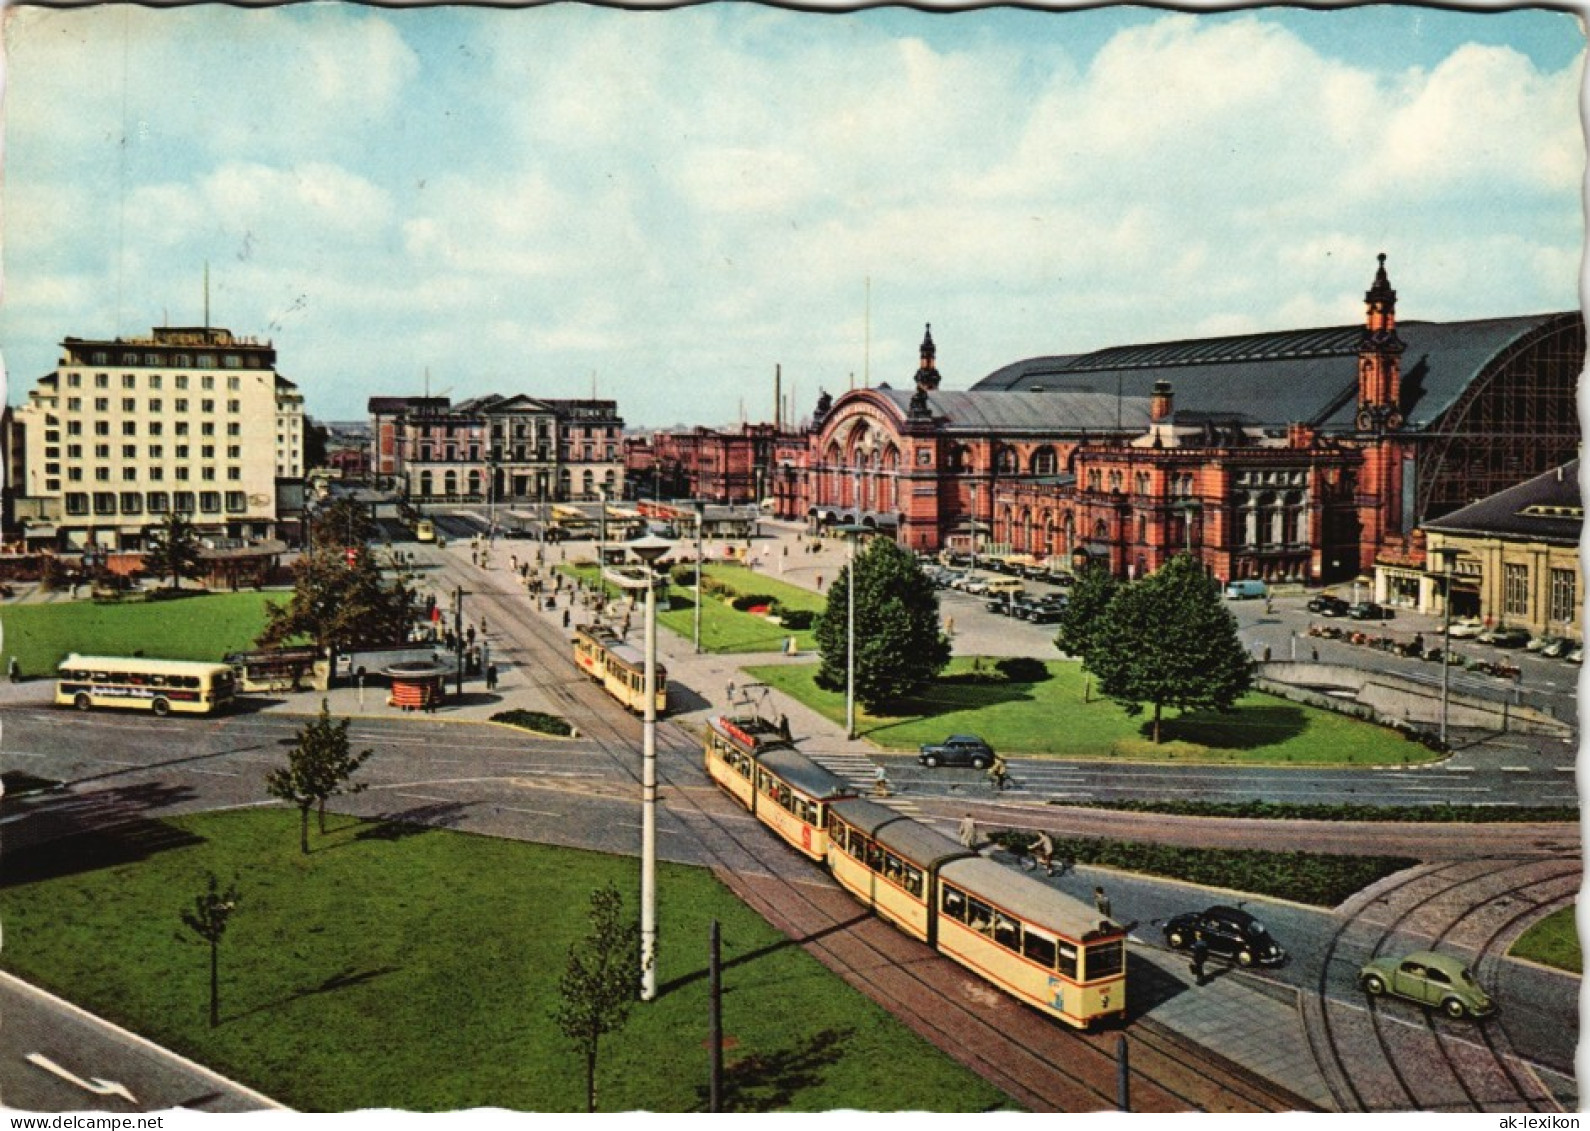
513	562
14	671
1043	852
880	781
790	647
565	618
949	627
967	832
1102	902
1269	606
625	632
491	677
1314	649
1266	653
998	775
819	583
783	727
1200	955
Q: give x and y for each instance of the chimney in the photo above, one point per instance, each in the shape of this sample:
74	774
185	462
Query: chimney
1161	403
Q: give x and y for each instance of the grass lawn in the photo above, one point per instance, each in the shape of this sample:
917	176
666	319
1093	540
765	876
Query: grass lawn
201	627
725	629
418	968
1554	941
1050	717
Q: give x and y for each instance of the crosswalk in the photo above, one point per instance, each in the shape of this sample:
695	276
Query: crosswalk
859	771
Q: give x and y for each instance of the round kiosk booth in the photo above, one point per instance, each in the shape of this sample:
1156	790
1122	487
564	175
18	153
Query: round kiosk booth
416	686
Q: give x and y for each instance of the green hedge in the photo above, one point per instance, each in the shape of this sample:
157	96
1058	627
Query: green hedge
1291	811
538	721
1303	877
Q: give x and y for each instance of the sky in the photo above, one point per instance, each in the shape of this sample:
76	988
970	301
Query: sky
665	205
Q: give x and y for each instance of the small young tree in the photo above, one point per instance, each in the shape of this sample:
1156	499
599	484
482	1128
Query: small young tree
899	646
1168	640
600	982
319	766
211	912
173	549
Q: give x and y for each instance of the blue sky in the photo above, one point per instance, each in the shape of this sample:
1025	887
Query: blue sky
671	203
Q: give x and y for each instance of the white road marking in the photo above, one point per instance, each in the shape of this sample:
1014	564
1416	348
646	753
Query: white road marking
213	773
1515	769
532	812
96	1087
424	797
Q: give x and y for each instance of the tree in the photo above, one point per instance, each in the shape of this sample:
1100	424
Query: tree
600	982
335	603
899	646
319	766
212	911
1168	640
1079	621
173	549
343	523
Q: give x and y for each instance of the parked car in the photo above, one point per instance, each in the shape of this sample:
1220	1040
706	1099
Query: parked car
1246	590
1327	605
957	750
1047	613
1431	979
1504	637
1557	648
1368	610
1465	629
1228	931
1575	654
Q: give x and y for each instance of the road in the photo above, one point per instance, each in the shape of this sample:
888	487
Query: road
58	1058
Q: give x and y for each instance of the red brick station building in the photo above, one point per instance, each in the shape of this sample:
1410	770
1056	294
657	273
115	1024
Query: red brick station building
1302	456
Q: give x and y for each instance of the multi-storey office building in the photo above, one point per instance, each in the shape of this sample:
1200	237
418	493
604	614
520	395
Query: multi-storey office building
188	419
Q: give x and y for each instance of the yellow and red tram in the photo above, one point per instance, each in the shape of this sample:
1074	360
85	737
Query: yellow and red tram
618	667
1039	945
1035	943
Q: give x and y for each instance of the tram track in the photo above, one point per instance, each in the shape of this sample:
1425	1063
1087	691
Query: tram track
865	950
1327	1047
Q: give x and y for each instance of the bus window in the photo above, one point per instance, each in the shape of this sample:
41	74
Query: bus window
913	881
954	904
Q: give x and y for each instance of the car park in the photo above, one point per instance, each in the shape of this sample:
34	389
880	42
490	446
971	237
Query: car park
1436	980
957	750
1227	931
1368	610
1327	605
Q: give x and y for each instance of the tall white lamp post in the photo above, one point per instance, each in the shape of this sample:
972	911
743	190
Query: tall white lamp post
701	517
851	533
1446	554
649	549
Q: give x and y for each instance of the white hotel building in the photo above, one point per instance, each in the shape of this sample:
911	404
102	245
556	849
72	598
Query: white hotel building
192	419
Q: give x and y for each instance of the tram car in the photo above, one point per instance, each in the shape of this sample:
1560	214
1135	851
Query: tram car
1039	945
619	668
789	793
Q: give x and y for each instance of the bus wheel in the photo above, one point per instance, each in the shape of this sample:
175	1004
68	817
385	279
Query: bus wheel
161	707
82	702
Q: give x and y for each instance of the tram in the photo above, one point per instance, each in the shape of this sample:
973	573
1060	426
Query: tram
619	668
1039	945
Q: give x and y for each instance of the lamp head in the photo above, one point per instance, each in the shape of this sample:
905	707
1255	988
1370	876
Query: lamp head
649	548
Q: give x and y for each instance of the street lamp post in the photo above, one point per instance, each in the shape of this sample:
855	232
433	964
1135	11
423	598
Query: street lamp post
1446	554
851	533
701	514
649	549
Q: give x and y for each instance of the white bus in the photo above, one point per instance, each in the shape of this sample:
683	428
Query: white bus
161	686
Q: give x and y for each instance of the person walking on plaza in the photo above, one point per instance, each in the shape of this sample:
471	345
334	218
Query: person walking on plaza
967	833
998	775
491	677
1200	955
1102	902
